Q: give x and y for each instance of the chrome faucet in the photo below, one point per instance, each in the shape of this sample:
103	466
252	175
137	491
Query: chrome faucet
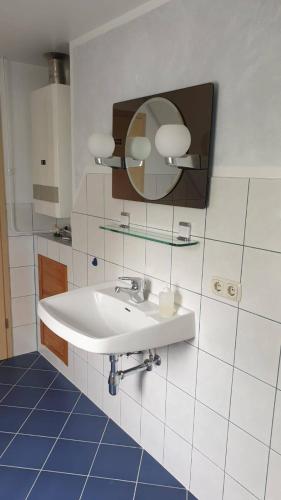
135	291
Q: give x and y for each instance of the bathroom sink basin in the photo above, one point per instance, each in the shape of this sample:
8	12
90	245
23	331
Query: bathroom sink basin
98	320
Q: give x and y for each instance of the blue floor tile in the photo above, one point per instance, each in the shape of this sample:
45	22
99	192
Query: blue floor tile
56	486
86	406
147	492
22	361
71	456
115	435
5	438
58	400
62	382
153	473
27	451
108	489
12	418
15	483
23	396
117	462
44	423
43	364
85	428
3	390
37	378
10	375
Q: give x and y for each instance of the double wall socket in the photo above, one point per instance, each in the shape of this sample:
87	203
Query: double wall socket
228	289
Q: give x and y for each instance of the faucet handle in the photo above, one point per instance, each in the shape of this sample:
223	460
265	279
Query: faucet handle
136	282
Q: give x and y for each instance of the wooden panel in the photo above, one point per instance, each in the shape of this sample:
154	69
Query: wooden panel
6	346
196	107
52	280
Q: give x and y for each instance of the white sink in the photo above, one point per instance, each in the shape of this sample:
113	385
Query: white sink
98	320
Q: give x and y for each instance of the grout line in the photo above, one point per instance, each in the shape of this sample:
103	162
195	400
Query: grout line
235	343
93	461
138	475
56	440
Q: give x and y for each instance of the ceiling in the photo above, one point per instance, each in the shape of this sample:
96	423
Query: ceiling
28	28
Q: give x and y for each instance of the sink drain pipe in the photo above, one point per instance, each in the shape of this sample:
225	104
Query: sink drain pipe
115	375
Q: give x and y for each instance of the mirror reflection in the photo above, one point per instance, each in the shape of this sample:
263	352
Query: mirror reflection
154	179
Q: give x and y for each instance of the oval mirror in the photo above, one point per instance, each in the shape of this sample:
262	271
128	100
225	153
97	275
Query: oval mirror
154	179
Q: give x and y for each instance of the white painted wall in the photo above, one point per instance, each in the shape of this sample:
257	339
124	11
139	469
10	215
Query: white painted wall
234	44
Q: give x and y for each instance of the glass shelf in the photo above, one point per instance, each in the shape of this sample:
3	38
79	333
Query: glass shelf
164	237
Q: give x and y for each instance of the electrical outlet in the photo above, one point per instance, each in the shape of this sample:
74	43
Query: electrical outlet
228	289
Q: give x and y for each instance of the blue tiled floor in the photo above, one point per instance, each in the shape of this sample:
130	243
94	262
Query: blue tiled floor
56	444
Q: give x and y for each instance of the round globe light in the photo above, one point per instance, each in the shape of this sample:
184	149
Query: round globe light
172	140
101	145
138	148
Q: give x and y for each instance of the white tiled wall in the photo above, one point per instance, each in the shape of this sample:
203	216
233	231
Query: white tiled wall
211	414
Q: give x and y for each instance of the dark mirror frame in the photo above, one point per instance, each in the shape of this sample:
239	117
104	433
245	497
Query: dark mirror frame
196	107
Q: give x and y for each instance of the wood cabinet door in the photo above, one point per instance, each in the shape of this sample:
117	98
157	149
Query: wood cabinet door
52	280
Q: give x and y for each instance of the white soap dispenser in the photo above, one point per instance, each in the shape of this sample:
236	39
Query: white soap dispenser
166	303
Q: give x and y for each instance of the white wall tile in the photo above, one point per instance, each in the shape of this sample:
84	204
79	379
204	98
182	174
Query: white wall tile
187	266
79	232
246	460
132	385
214	379
112	271
180	412
252	405
152	435
134	253
111	405
23	311
210	434
21	251
130	416
137	211
95	386
273	489
227	209
261	279
276	432
177	457
258	346
80	199
24	339
206	478
95	273
234	491
160	216
154	390
114	248
96	360
79	268
22	281
95	237
42	246
53	250
263	214
218	329
66	259
95	194
223	260
182	365
192	301
158	260
113	206
80	373
195	216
